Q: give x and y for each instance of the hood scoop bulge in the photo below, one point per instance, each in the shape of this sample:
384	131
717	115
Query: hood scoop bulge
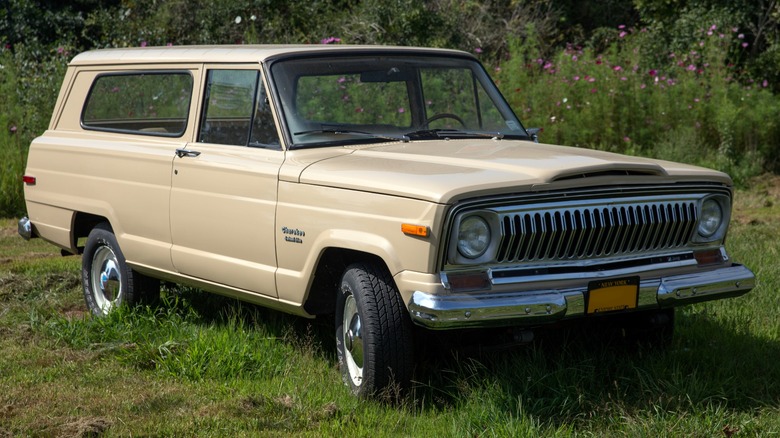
611	172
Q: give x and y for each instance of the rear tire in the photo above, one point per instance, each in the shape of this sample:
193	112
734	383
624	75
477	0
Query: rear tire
373	333
107	280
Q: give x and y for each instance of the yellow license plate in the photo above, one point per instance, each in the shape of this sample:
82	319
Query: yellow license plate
613	295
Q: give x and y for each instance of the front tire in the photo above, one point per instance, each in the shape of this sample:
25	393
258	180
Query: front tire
106	279
373	332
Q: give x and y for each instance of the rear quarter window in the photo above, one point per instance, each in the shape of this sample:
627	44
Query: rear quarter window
149	103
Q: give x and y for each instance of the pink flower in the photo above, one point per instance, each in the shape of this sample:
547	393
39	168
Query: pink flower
765	83
547	65
691	67
622	34
574	58
744	45
143	43
594	90
342	80
623	78
643	86
741	36
617	68
478	50
330	40
576	78
60	50
591	79
652	72
12	129
401	110
622	26
626	139
714	27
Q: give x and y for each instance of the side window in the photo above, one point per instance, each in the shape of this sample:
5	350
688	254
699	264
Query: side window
152	103
236	111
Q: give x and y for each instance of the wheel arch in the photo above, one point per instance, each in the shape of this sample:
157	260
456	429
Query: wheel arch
321	296
82	224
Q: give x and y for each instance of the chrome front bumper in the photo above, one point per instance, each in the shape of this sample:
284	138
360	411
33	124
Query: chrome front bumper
535	307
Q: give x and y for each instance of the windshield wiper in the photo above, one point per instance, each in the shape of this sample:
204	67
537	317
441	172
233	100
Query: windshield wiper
403	138
454	133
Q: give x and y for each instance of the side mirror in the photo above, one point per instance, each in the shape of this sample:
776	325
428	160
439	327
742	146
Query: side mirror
534	133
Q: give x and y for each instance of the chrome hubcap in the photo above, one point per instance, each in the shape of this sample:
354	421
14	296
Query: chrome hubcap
353	341
106	279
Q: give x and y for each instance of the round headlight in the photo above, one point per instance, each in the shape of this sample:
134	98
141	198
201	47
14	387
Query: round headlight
473	237
711	217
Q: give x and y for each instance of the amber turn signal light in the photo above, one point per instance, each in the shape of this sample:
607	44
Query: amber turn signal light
414	230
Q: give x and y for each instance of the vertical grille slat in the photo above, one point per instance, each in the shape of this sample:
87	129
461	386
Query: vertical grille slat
606	230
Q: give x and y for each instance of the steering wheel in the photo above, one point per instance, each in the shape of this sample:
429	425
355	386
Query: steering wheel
440	116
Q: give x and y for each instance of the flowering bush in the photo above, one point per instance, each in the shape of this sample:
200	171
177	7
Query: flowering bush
678	90
694	107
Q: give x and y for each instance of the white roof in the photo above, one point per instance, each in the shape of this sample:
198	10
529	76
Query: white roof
227	53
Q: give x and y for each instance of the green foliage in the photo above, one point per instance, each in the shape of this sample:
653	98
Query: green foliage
688	107
174	340
13	147
712	103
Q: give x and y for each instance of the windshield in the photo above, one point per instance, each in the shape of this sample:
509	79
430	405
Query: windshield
330	100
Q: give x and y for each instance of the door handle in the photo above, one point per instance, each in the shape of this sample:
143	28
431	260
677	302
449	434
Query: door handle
185	153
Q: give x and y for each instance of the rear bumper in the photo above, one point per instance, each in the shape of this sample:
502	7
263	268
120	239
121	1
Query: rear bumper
24	228
542	306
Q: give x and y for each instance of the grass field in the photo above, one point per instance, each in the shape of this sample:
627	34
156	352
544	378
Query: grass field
202	365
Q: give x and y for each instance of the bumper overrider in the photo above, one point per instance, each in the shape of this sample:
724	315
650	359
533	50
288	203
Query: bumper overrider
542	306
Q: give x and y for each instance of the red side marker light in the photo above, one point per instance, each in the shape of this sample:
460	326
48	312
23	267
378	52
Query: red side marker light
29	180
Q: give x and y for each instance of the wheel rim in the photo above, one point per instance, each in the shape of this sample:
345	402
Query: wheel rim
353	341
106	279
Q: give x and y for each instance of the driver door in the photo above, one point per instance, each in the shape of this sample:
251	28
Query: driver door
224	186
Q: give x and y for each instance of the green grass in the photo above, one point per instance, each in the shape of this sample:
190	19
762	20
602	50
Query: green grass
204	365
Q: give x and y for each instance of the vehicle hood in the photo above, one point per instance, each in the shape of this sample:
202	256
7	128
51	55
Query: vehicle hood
444	171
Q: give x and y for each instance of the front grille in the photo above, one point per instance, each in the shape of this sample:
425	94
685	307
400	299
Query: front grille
556	232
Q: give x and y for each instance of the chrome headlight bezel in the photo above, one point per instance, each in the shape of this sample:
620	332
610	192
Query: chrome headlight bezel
474	238
713	221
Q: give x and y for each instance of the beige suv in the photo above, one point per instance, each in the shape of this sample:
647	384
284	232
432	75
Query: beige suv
389	186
